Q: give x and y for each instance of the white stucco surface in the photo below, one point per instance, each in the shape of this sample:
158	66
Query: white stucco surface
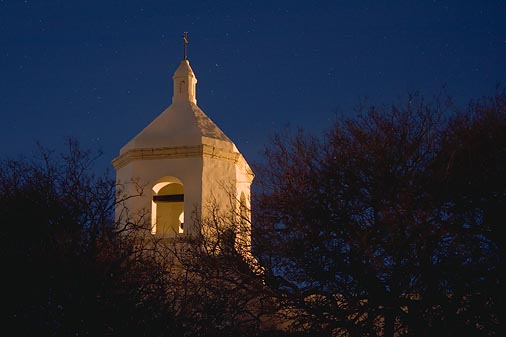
182	144
181	124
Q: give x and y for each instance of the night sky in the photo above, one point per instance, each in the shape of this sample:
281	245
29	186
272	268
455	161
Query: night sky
100	71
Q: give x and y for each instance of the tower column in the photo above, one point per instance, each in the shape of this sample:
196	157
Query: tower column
185	84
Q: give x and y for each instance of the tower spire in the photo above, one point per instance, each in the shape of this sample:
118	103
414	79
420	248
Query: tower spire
185	43
184	79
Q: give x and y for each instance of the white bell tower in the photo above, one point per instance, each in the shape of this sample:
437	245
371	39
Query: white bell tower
183	161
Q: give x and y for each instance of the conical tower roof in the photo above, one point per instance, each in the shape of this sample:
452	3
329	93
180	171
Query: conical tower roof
183	123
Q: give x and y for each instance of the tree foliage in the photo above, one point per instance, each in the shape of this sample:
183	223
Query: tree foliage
389	223
70	270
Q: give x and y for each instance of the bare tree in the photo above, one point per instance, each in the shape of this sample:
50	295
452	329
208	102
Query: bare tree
69	269
366	232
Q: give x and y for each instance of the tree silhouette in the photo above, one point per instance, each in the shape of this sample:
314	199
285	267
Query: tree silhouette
388	225
69	269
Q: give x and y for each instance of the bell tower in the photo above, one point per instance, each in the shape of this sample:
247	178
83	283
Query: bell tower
182	161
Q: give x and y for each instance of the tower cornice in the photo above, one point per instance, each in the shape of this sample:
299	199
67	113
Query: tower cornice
203	150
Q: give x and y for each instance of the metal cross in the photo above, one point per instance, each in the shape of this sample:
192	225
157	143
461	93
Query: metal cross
185	41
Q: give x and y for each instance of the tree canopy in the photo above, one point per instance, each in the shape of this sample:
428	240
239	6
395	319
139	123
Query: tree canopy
389	224
69	269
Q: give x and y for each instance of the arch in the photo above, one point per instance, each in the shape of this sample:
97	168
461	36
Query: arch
243	210
243	231
182	86
167	207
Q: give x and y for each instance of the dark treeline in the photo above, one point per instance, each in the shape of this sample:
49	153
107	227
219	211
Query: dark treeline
386	225
69	270
390	223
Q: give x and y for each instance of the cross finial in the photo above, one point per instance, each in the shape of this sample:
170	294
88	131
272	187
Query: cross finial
185	43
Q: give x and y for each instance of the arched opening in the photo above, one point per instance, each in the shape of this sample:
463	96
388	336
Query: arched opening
167	207
243	234
243	210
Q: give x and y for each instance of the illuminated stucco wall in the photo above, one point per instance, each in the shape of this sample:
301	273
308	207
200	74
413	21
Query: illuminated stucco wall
182	145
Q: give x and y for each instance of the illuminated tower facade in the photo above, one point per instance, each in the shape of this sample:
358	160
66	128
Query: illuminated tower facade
182	161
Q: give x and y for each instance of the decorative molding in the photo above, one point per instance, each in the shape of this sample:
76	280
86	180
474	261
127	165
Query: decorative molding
175	152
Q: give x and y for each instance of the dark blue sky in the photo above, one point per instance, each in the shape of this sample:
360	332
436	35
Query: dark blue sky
100	71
